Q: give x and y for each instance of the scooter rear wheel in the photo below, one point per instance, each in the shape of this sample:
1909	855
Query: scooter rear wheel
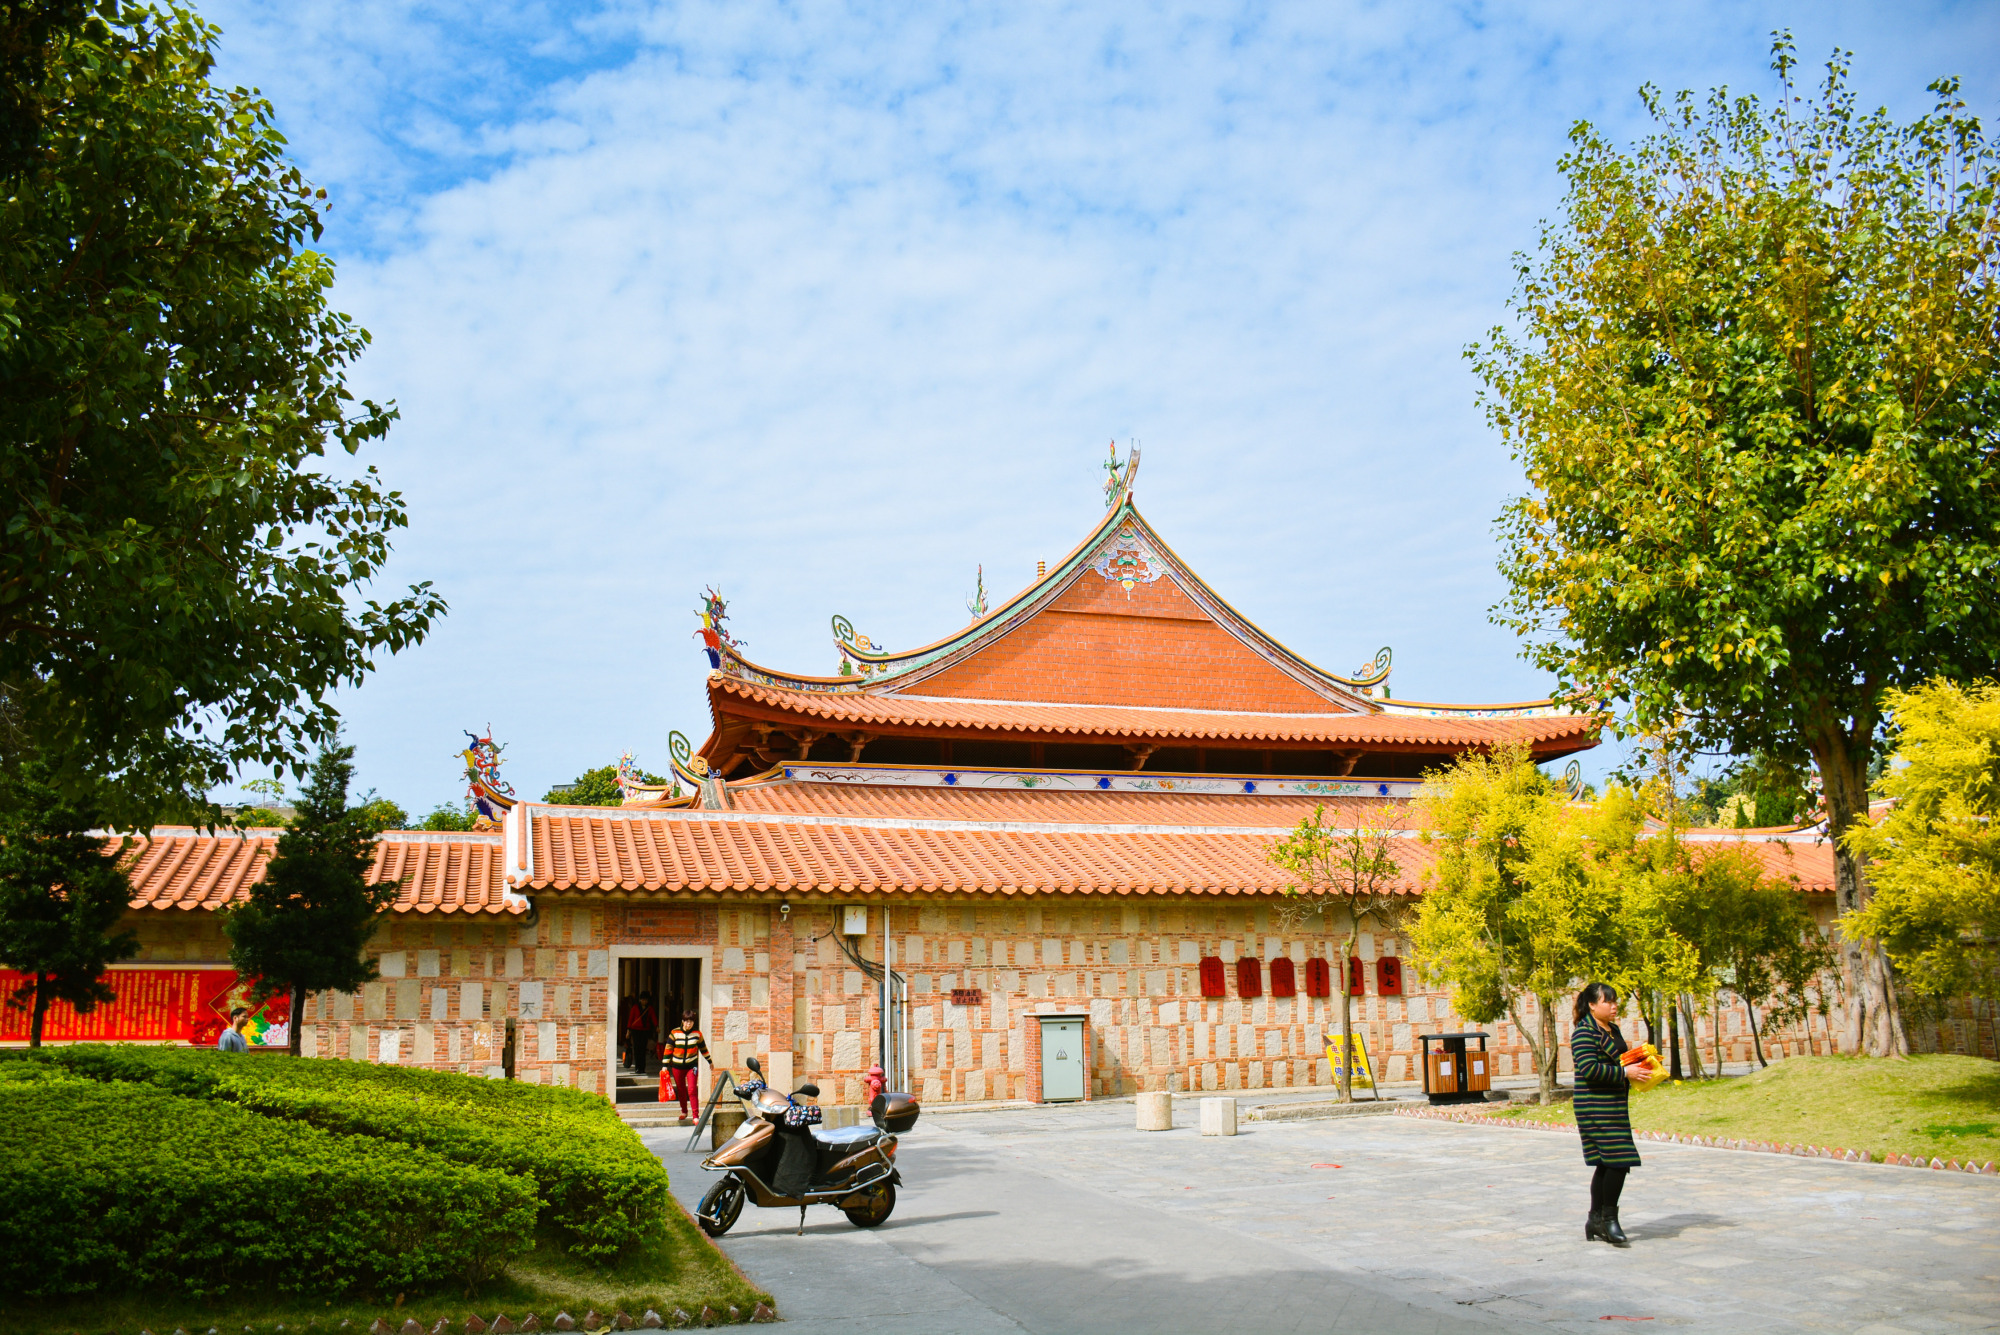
720	1207
871	1207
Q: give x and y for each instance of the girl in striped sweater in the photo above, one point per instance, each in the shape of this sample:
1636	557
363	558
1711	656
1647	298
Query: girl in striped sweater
1602	1117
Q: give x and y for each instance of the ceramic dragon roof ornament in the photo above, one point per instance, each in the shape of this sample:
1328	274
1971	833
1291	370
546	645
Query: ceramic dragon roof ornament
977	603
1120	477
715	636
489	795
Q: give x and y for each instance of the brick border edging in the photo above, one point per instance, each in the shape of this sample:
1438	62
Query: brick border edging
1714	1142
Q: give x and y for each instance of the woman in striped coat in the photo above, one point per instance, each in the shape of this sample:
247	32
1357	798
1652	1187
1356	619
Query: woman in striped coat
1602	1118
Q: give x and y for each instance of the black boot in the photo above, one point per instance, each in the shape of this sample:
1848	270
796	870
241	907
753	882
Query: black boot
1612	1232
1593	1228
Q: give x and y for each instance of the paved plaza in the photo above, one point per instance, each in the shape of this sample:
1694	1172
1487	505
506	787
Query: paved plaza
1065	1219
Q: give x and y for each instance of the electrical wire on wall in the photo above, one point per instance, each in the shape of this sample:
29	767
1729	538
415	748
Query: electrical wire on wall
896	1065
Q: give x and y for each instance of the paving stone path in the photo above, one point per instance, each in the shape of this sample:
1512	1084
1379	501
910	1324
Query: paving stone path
1065	1219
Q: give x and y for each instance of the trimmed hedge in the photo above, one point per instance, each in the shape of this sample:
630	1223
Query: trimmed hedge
600	1188
123	1185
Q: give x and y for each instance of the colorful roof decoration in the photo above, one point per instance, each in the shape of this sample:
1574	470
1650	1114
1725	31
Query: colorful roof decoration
488	794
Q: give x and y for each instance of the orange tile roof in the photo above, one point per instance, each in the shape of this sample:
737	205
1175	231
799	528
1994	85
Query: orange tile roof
1549	733
724	852
578	850
1087	807
442	873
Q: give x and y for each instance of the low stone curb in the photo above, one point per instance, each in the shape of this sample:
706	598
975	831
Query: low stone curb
1300	1112
1986	1169
592	1323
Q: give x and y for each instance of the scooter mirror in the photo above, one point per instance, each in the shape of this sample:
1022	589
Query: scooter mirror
751	1062
810	1091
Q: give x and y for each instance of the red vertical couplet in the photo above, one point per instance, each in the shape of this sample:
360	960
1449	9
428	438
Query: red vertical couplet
1319	978
1356	987
1212	978
1284	982
1389	976
1249	977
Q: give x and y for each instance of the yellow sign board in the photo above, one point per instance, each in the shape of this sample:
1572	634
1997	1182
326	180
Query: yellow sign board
1363	1075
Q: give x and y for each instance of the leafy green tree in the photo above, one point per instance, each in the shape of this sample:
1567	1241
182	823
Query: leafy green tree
445	816
60	897
179	577
303	927
1517	908
382	813
1348	878
1753	389
594	788
27	29
1936	851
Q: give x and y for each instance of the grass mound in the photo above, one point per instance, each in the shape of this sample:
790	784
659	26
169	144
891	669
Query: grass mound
1938	1106
118	1185
161	1187
601	1191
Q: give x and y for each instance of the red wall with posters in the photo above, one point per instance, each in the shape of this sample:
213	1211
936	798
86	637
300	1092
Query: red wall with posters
153	1006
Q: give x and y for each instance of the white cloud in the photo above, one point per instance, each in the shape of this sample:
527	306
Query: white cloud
827	306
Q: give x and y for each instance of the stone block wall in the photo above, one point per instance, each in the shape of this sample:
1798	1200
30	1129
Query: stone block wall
777	985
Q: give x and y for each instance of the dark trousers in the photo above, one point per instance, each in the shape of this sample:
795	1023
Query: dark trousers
638	1046
1605	1185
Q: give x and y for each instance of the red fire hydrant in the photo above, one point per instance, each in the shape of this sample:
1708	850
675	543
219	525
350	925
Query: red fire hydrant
876	1084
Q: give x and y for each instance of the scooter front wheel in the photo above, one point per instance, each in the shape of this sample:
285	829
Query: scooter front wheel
870	1207
720	1207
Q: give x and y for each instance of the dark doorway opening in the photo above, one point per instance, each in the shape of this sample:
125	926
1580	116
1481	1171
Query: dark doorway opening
666	986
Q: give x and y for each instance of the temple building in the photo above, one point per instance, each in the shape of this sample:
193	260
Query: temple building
1053	826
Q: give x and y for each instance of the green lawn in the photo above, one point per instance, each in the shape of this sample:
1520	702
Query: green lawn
685	1271
1941	1107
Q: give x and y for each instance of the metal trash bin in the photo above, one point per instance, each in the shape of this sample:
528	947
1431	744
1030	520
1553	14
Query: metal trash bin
1454	1073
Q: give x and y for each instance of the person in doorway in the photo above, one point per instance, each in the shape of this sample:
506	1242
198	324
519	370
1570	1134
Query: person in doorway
684	1051
232	1039
1603	1117
639	1025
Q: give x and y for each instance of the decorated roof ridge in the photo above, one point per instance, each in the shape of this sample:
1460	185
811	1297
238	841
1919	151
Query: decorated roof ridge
852	644
1418	708
272	832
539	810
881	668
1096	781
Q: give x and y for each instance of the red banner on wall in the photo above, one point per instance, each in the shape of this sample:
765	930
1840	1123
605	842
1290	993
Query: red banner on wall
152	1006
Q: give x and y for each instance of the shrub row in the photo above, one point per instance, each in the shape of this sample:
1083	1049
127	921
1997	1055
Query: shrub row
127	1185
600	1188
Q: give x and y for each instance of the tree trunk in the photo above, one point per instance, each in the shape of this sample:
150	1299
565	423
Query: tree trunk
1672	1014
1685	1005
298	1018
1756	1041
1874	1025
1346	1023
41	1009
1551	1048
1715	1030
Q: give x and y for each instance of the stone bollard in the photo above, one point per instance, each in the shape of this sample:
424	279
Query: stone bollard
1218	1117
1156	1111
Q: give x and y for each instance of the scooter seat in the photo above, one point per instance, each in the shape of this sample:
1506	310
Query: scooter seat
841	1136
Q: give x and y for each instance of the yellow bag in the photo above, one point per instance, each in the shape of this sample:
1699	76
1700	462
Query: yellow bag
1643	1068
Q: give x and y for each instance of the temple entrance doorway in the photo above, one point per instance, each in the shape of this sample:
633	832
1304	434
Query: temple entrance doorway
655	985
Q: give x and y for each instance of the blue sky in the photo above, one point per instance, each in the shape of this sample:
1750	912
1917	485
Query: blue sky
829	305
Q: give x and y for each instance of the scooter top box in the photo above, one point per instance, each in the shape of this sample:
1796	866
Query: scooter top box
894	1112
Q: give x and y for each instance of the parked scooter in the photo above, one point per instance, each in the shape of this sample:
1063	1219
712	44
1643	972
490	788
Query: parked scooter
852	1167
